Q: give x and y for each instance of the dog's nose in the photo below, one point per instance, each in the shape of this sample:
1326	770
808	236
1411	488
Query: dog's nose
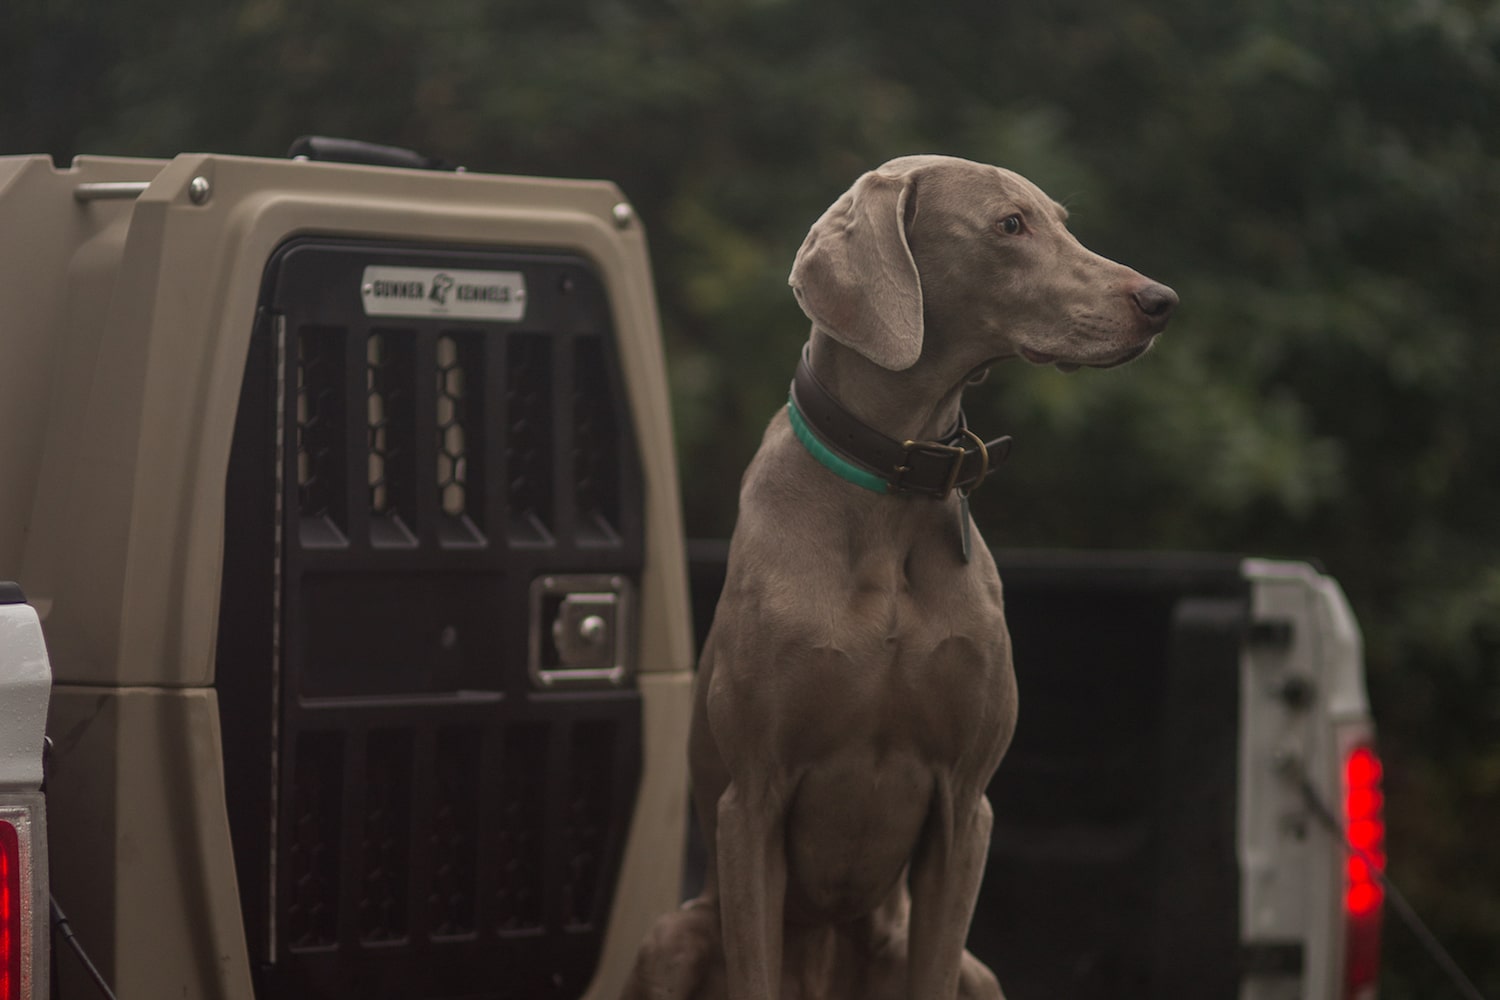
1157	301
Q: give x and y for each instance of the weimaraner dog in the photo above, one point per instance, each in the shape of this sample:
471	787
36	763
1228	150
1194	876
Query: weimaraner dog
856	693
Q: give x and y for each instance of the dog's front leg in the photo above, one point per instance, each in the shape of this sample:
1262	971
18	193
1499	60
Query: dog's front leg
945	877
752	888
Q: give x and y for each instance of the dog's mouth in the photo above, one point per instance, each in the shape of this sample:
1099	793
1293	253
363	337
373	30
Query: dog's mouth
1067	365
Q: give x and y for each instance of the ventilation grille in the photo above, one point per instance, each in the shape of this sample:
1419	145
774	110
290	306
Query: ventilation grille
320	402
385	855
528	442
312	905
596	457
440	776
460	426
518	894
424	446
455	826
587	819
390	435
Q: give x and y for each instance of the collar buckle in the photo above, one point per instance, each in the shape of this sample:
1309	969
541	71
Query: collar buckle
954	453
860	454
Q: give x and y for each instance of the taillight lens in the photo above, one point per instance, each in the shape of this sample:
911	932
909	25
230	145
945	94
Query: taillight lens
13	921
1364	896
23	882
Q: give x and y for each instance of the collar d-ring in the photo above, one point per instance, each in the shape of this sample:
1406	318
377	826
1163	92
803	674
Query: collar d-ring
984	458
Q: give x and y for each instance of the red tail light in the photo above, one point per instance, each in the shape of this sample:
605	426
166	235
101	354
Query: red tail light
1364	896
23	955
13	924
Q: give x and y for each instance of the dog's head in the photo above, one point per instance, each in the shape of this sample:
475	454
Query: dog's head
935	248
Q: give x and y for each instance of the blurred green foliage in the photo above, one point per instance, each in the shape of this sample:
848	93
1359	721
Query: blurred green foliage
1320	182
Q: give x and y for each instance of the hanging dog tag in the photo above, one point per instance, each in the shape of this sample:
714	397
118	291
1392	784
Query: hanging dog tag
963	524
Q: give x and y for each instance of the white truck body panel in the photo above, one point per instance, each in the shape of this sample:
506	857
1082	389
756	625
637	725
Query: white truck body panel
25	687
1292	865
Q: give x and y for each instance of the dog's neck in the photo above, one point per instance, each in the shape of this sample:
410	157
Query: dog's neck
920	403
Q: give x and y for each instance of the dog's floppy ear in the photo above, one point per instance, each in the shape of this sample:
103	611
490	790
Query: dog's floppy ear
855	276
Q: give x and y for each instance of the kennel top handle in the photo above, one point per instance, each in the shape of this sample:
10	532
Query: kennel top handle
123	478
326	149
333	150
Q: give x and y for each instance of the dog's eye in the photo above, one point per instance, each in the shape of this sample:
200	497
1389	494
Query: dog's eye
1011	225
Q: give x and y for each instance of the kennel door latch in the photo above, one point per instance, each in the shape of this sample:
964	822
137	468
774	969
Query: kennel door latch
580	630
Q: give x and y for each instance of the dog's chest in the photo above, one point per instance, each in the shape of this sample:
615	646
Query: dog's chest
908	658
946	666
885	720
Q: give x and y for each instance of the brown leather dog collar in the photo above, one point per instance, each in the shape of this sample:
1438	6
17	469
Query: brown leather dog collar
857	452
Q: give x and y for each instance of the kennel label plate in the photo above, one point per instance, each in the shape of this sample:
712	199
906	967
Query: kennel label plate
426	291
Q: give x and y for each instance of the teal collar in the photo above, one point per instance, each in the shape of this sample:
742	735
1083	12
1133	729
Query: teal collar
830	459
857	453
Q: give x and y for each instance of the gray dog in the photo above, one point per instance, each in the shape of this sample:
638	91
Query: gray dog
856	693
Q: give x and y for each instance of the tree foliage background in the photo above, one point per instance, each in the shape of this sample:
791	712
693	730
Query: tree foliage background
1320	182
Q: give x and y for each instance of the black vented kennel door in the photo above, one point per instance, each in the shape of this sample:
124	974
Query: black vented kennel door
433	535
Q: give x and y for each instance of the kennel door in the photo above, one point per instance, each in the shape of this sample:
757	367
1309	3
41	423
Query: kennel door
432	733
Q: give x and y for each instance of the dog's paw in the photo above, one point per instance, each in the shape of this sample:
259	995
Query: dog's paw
679	956
976	981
